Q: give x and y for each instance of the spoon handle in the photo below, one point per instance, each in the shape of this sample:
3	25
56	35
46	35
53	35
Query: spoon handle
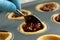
19	12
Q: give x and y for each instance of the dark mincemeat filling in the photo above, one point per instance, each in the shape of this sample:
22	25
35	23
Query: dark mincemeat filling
32	27
57	18
15	16
48	7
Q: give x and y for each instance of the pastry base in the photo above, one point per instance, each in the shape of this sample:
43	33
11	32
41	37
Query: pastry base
5	35
41	5
31	33
53	18
17	18
49	37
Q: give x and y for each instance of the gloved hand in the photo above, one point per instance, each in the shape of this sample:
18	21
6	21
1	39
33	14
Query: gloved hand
10	5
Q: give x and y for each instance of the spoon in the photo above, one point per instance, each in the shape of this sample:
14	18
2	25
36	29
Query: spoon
30	18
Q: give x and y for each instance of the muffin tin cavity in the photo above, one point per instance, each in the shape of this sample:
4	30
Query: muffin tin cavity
5	35
13	16
49	37
48	7
31	32
56	18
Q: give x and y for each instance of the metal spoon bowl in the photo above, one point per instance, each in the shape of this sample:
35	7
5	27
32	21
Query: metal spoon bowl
30	18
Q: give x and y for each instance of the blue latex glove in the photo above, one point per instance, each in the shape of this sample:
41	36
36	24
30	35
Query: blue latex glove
10	5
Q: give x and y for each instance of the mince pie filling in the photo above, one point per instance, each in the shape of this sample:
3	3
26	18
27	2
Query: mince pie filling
48	7
57	18
32	27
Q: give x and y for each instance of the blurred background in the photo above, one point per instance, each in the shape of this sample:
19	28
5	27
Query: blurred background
25	1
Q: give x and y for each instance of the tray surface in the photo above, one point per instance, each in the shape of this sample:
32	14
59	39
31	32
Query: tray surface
12	25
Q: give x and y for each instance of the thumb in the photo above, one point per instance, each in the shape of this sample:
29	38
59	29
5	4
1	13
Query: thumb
17	3
7	6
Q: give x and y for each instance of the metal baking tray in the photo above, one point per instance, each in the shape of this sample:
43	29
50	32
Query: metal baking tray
12	25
